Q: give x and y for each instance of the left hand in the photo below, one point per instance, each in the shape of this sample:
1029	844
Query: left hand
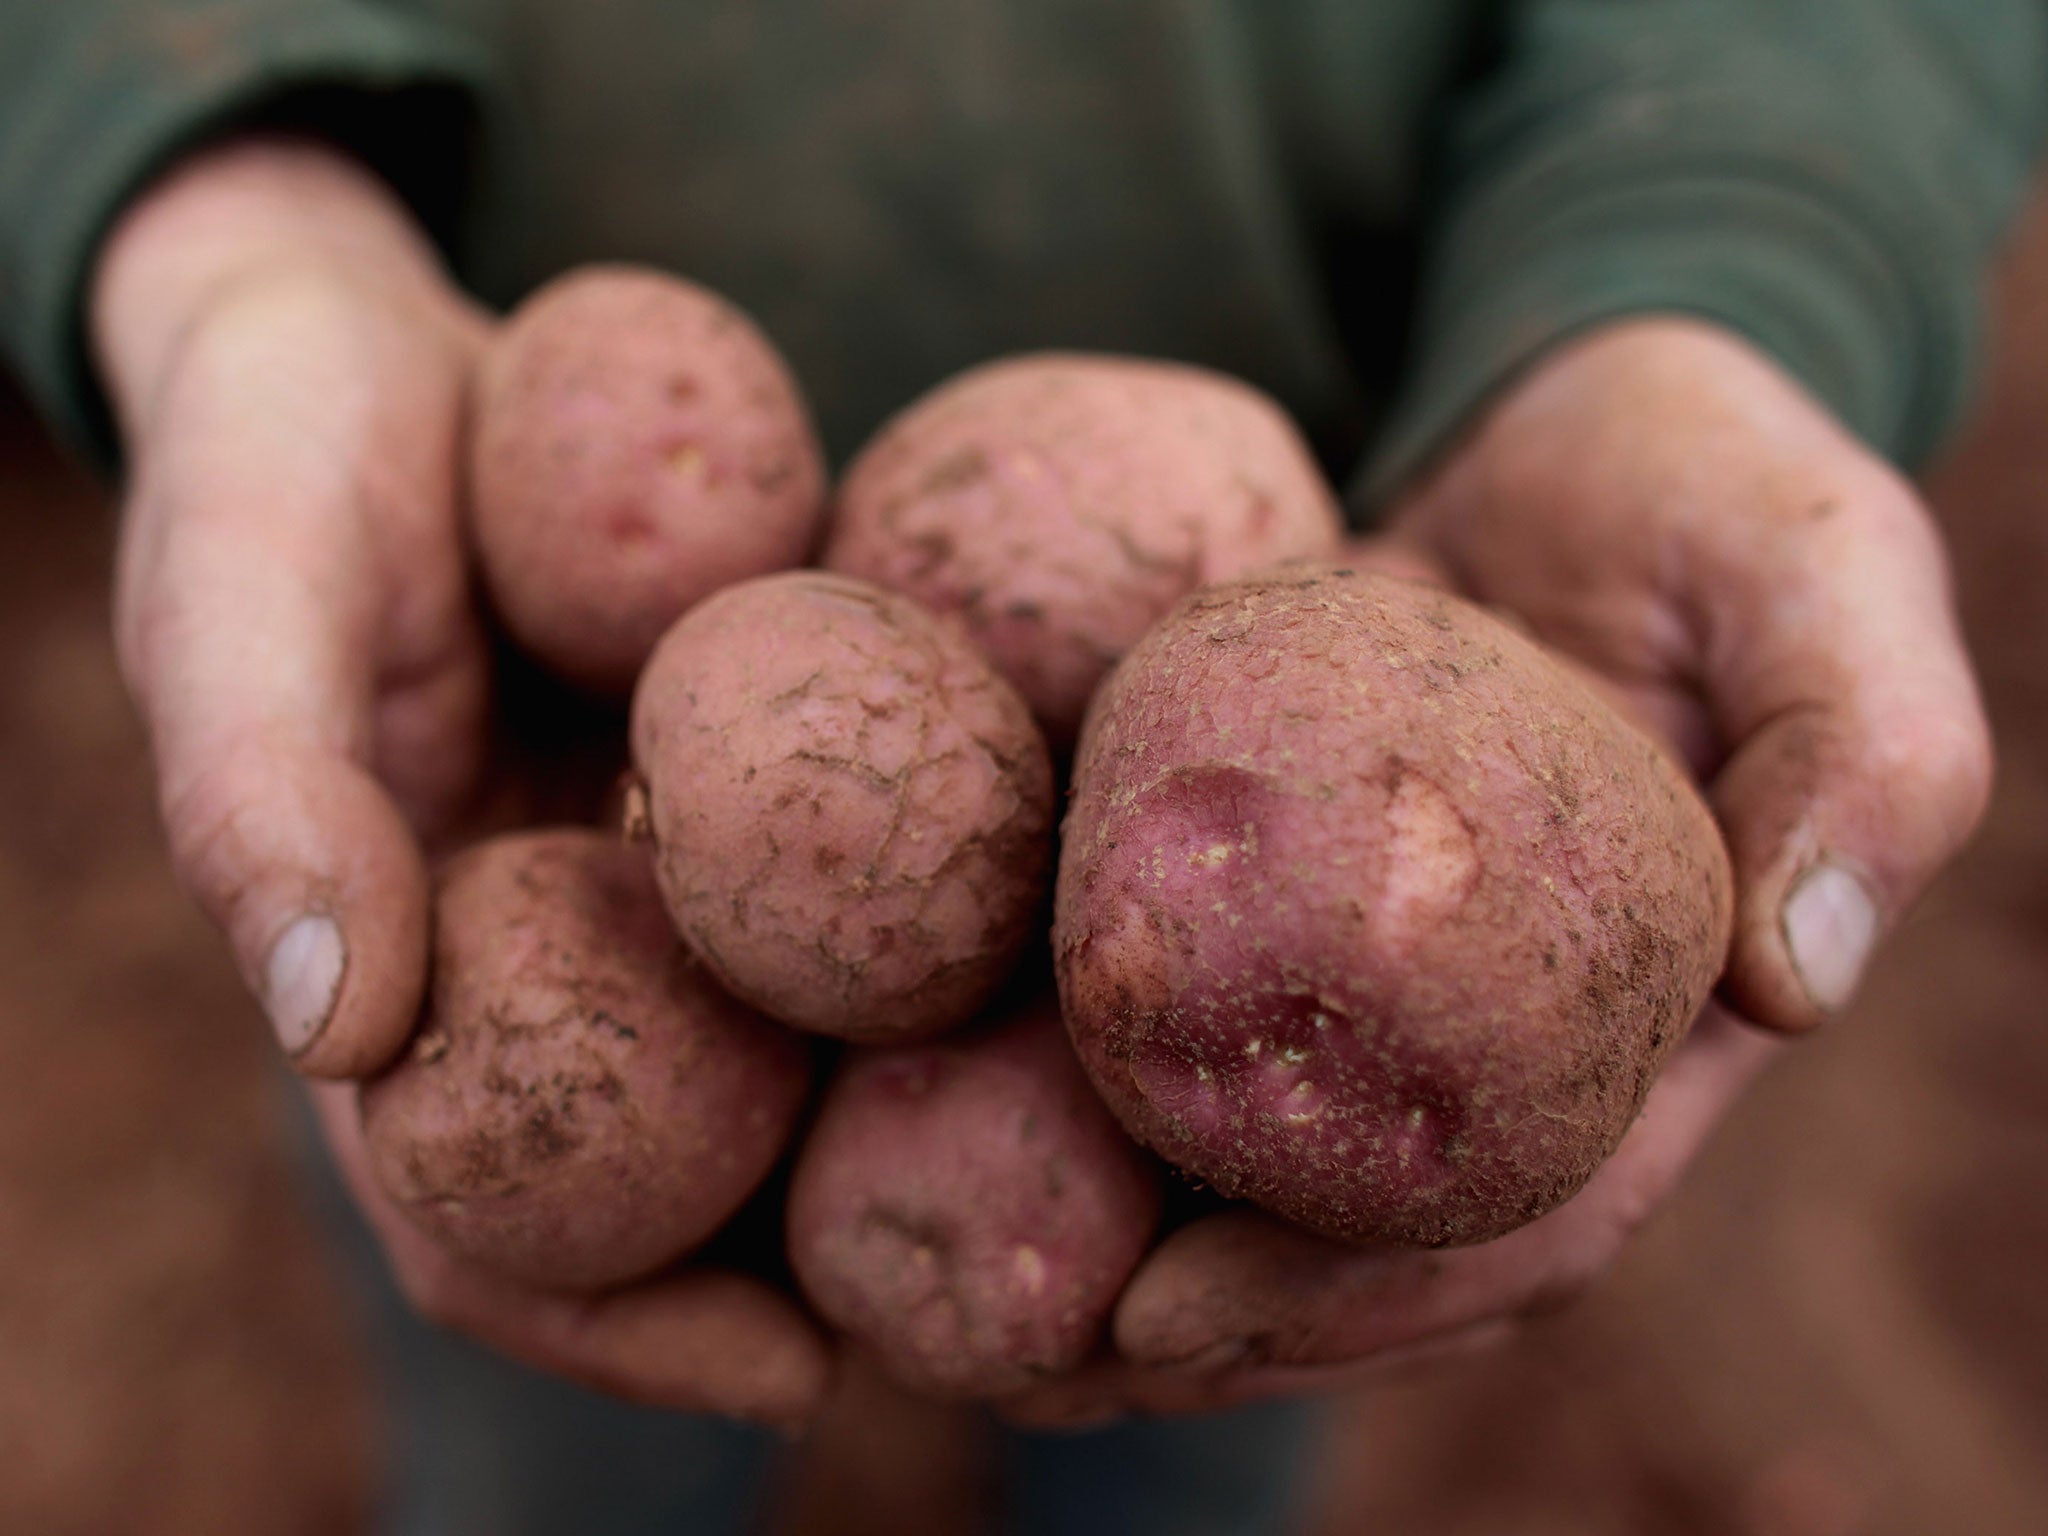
1664	505
298	622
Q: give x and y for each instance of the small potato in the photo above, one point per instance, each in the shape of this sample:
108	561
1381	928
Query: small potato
1061	504
1370	912
638	445
582	1104
969	1211
853	814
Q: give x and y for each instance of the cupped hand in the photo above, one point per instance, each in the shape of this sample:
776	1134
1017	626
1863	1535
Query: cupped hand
1666	506
1661	503
295	615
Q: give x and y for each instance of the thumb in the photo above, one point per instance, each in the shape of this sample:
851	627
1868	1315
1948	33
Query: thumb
262	583
1861	760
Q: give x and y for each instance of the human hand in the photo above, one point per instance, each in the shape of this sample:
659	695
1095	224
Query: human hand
296	619
1664	506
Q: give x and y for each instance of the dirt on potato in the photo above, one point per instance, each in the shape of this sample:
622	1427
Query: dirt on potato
1371	913
852	812
1060	504
969	1211
582	1104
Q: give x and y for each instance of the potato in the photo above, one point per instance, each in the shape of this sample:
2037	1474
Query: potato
638	445
1371	912
853	812
1061	504
969	1211
582	1105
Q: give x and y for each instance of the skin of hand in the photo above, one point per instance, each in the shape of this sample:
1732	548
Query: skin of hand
296	618
1660	503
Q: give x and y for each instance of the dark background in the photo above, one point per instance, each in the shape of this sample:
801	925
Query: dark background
1840	1327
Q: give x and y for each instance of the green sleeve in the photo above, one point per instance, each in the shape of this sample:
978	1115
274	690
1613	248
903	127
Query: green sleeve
1826	177
95	95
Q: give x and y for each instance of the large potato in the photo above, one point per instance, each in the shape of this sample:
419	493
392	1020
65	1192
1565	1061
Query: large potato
1369	911
969	1211
582	1105
638	445
1061	504
853	814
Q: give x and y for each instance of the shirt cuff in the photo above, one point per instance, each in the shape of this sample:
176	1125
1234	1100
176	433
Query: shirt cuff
127	96
1805	281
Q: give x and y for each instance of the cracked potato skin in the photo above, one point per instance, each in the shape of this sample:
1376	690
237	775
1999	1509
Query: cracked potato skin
968	1211
1370	912
582	1104
852	812
1060	504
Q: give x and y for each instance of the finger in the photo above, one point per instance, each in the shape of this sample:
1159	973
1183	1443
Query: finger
260	597
1111	1389
1243	1289
1861	758
701	1341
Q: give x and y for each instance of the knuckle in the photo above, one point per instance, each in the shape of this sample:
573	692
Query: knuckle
1882	502
202	814
283	320
1892	496
1940	771
1961	767
207	812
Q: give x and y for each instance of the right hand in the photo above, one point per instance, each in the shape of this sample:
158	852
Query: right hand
1661	504
296	619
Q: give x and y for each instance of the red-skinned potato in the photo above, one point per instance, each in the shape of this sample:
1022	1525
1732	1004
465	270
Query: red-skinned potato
852	813
582	1104
1061	504
1371	912
638	444
968	1211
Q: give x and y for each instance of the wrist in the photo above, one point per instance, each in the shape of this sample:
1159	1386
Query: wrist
233	213
1659	344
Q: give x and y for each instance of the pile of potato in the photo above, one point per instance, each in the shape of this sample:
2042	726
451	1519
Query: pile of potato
1367	910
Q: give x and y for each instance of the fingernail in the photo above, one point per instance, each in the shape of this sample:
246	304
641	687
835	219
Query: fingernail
301	980
1830	924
